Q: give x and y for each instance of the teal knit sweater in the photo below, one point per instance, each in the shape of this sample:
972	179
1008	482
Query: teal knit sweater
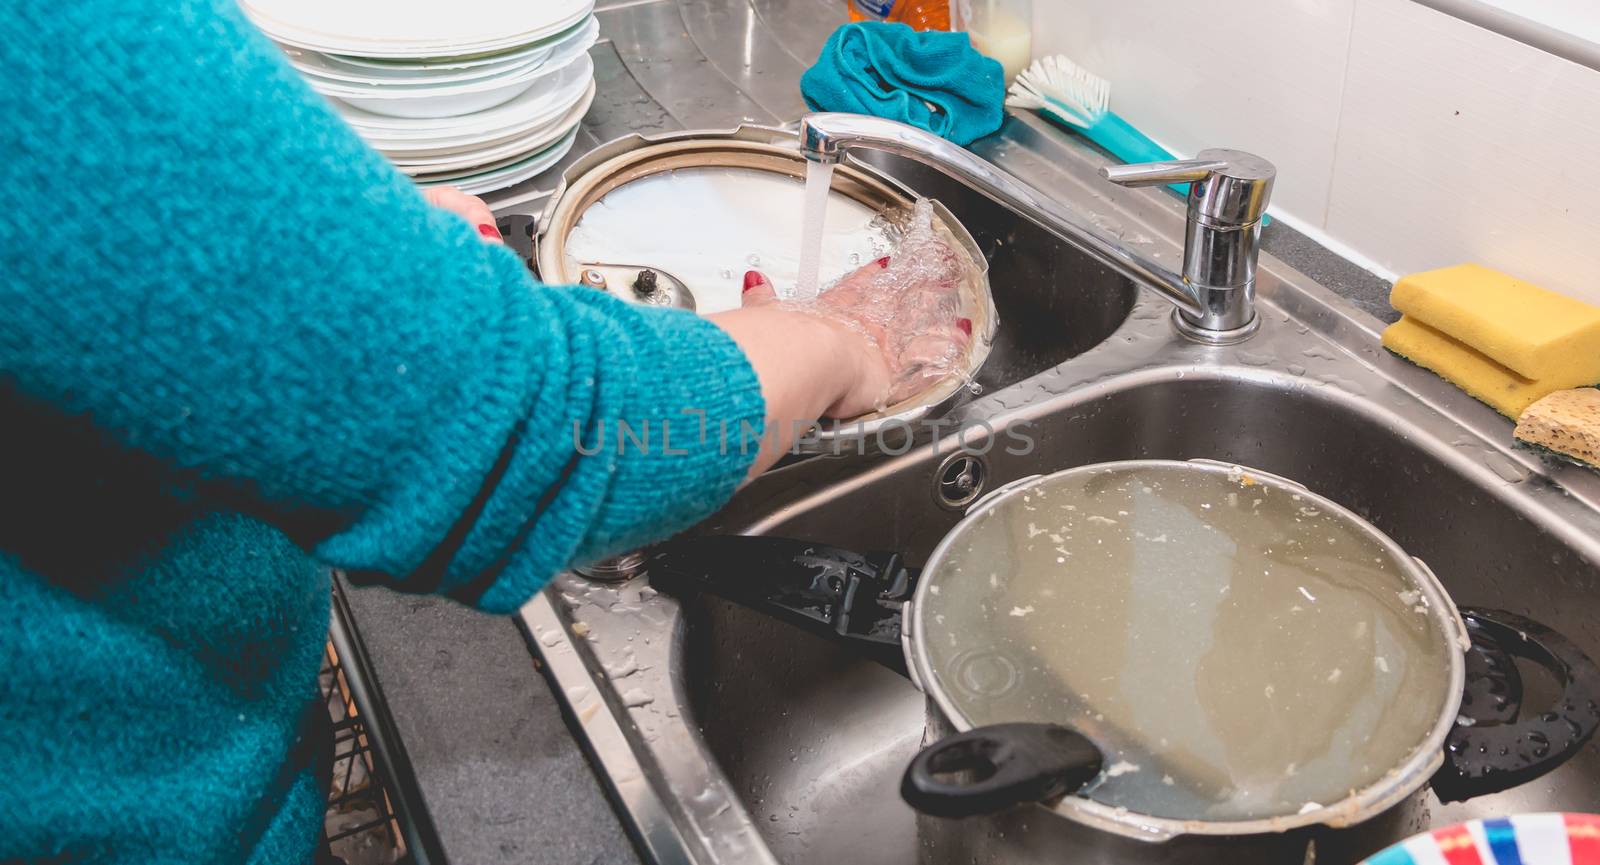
238	349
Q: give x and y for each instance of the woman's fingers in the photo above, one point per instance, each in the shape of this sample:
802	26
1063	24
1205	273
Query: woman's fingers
861	279
758	289
864	295
468	207
928	358
937	353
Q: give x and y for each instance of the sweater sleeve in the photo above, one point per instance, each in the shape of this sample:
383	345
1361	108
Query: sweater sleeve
204	261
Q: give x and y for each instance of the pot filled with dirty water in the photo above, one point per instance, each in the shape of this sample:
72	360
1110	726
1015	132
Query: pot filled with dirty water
1169	661
677	220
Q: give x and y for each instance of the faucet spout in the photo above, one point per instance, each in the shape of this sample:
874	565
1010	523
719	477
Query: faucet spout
817	143
1214	296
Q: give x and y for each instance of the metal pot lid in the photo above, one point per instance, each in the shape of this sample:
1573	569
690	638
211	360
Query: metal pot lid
701	208
708	224
1248	655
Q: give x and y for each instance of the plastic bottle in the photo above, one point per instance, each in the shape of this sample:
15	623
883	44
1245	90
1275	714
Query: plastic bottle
920	14
1002	29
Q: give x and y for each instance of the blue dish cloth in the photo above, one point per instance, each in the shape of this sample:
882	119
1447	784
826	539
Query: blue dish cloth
934	80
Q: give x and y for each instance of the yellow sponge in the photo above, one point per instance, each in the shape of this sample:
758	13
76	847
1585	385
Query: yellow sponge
1535	333
1470	370
1567	421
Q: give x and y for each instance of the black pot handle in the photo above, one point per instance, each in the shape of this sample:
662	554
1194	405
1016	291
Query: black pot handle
852	598
1489	756
997	767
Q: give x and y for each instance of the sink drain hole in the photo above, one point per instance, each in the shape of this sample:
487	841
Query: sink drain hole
959	481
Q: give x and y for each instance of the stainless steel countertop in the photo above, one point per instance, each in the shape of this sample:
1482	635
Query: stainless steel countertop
492	759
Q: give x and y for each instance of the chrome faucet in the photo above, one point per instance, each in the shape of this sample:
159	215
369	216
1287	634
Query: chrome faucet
1228	193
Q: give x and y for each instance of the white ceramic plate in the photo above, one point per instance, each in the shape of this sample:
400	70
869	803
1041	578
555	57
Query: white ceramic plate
382	28
416	149
546	110
474	172
562	52
531	142
546	98
429	106
509	175
323	68
453	102
508	57
492	81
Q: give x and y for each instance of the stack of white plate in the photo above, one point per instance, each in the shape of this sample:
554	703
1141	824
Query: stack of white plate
480	94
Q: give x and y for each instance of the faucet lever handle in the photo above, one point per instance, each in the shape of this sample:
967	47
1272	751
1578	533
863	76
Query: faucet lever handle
1162	173
1230	187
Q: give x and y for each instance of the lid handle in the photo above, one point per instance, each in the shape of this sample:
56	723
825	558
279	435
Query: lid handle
998	766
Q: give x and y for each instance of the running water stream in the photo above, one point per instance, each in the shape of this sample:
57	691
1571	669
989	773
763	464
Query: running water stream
819	179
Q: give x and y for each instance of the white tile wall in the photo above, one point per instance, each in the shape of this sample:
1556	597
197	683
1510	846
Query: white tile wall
1260	75
1356	101
1459	144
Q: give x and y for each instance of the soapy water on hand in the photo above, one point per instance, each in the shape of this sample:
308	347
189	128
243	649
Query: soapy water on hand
909	309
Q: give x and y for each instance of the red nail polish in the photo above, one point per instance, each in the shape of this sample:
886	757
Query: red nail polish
884	262
965	324
488	230
753	278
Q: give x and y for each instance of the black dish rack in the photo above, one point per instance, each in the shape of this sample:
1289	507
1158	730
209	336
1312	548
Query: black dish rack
369	819
360	826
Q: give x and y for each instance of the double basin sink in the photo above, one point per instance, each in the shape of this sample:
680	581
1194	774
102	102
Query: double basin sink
729	738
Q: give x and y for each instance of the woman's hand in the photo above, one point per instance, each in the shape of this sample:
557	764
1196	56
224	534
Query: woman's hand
881	334
468	207
899	322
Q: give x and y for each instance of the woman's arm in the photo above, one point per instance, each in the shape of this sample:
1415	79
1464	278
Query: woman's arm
198	256
807	366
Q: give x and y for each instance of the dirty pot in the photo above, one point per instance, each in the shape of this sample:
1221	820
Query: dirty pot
1173	662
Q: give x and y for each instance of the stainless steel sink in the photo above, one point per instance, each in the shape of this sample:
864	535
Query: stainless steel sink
729	738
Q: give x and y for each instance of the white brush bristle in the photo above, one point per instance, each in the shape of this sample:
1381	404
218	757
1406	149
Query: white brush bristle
1068	90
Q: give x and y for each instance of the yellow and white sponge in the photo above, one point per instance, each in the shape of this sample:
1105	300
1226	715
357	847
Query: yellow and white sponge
1567	422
